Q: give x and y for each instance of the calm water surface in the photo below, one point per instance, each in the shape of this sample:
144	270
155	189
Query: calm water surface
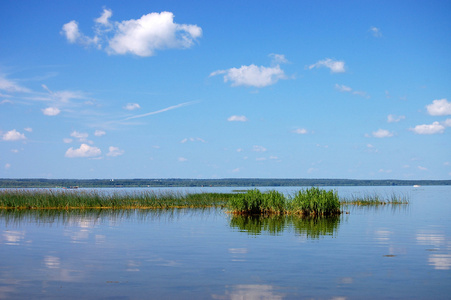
389	252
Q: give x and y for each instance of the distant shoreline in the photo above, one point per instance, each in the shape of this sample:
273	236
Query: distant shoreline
224	182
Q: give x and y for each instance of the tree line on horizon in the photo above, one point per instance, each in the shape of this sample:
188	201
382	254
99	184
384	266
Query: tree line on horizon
224	182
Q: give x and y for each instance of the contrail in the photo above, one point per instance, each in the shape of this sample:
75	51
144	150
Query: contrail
160	111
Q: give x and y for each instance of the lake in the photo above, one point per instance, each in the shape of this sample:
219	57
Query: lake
384	252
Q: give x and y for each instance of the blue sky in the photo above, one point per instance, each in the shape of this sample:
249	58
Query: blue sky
225	89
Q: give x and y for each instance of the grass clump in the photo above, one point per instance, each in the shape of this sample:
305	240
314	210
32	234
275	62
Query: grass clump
376	200
315	201
312	201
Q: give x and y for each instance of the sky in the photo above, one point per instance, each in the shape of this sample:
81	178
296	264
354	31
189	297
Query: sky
225	89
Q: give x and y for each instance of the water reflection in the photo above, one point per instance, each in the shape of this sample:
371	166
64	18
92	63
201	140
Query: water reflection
88	218
250	291
441	246
310	227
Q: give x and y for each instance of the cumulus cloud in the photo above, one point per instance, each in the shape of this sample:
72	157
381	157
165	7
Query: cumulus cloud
115	151
132	106
51	111
99	133
433	128
252	75
335	66
439	108
382	133
13	135
394	119
141	37
300	131
236	118
84	151
447	123
375	31
278	58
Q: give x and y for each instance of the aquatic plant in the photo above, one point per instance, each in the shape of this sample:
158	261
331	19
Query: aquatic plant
311	201
55	199
376	200
315	201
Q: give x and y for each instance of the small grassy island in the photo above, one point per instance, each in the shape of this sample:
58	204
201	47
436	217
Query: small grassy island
306	202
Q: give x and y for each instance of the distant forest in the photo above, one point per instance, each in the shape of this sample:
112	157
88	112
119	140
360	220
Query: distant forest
226	182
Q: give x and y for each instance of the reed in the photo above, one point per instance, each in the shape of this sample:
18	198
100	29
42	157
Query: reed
376	200
51	199
312	201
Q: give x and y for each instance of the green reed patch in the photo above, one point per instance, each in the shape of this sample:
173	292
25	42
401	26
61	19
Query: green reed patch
51	199
376	200
311	201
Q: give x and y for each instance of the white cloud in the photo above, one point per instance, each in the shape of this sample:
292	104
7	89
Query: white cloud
433	128
259	148
132	106
142	37
160	111
73	35
51	111
343	88
422	168
104	18
99	133
28	129
447	123
84	151
67	141
394	119
382	133
197	139
13	135
335	66
347	89
7	166
11	86
252	75
439	108
278	58
182	159
81	136
300	131
376	31
236	118
115	151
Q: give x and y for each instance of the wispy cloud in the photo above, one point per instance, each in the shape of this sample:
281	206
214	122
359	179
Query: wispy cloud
300	131
380	133
114	151
236	118
375	31
346	89
335	66
161	110
394	118
132	106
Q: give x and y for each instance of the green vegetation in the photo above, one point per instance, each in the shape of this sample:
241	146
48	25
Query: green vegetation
308	202
375	200
311	201
48	199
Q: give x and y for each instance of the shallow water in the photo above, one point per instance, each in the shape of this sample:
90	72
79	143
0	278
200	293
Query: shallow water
385	252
